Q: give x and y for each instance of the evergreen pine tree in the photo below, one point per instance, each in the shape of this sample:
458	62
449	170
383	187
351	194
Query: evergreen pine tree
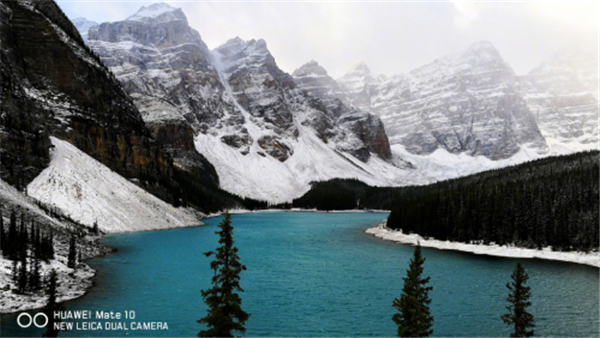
52	306
414	318
13	238
15	272
23	275
2	234
225	314
51	246
72	253
35	274
518	298
23	239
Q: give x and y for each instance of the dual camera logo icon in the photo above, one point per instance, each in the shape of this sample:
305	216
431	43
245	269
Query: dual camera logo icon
40	320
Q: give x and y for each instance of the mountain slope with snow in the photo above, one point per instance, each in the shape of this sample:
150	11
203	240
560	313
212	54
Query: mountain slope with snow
246	116
468	102
89	193
562	93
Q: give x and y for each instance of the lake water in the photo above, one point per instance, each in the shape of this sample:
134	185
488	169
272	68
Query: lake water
318	274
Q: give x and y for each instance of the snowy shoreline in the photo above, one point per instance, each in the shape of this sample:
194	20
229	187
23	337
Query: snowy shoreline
72	284
382	232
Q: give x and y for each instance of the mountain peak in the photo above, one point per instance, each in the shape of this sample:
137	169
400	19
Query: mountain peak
483	49
312	67
484	44
158	10
360	69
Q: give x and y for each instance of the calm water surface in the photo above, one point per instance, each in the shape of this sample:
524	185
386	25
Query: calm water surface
318	274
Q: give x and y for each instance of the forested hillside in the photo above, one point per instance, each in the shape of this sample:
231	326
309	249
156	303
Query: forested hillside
548	202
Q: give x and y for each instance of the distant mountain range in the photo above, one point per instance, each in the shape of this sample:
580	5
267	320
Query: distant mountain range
147	98
239	107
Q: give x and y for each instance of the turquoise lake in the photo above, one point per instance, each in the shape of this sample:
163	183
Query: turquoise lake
319	274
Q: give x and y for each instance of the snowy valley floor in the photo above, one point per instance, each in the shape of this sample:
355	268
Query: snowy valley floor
381	231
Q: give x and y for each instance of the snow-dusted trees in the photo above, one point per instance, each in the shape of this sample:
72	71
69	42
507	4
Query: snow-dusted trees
52	305
225	314
414	318
72	258
518	297
26	248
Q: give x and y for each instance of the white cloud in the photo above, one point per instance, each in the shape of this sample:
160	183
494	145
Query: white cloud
390	37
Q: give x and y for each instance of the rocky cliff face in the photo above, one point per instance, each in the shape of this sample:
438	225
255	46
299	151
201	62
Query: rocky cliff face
465	103
258	88
53	85
314	79
562	94
243	113
165	67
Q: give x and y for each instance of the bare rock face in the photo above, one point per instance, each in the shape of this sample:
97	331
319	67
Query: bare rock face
314	79
256	83
274	147
241	140
465	103
562	94
370	130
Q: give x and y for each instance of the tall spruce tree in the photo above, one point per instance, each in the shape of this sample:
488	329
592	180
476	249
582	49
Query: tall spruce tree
22	282
225	314
13	238
518	297
35	277
52	306
413	317
71	259
2	235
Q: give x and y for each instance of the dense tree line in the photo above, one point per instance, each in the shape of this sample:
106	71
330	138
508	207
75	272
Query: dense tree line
549	202
345	194
26	247
207	196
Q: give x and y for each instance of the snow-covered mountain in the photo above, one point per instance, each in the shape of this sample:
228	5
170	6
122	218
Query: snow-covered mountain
464	103
313	78
266	138
83	25
562	94
53	85
268	134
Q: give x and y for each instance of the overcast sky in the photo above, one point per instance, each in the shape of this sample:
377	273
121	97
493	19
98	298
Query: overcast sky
390	37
